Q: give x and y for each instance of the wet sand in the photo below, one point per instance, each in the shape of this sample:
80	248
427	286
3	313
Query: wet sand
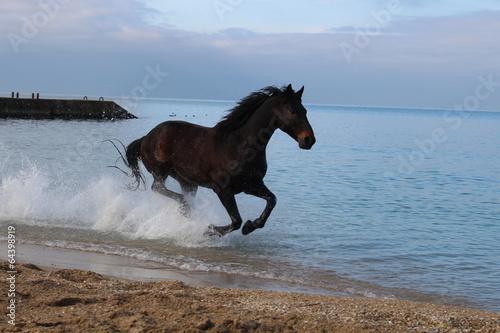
128	268
57	297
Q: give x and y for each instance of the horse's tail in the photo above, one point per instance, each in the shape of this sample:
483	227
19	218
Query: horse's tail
131	160
133	154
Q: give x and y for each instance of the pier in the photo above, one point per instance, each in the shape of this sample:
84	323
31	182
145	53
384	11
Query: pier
36	108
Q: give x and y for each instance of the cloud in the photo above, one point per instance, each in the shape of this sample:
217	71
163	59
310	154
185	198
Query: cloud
58	21
103	47
118	23
436	39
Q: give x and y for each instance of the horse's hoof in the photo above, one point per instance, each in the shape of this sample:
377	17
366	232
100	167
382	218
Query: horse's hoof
213	230
248	227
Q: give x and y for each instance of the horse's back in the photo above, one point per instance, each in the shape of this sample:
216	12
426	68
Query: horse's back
178	126
180	146
177	131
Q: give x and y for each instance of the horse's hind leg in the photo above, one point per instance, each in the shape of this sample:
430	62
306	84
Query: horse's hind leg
189	191
159	187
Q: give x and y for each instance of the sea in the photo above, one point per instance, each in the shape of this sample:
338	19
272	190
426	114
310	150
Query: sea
390	202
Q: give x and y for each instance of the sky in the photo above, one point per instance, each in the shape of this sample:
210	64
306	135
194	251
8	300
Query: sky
442	54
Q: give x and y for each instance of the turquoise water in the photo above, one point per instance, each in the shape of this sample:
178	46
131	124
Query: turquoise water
393	203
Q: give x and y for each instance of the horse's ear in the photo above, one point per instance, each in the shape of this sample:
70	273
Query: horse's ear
289	90
299	93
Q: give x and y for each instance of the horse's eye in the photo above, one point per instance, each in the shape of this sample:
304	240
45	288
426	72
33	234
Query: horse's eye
292	111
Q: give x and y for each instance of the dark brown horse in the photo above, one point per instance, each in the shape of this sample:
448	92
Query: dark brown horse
229	158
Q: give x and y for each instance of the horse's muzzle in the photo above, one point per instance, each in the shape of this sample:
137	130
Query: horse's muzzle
306	139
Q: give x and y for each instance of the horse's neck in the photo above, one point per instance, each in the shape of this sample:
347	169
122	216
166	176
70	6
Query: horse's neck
261	125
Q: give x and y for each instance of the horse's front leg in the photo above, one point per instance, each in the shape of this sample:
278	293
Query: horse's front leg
229	202
263	192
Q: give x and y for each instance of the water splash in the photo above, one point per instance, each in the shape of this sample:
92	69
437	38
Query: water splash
30	197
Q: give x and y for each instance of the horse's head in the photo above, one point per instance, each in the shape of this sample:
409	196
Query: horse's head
292	117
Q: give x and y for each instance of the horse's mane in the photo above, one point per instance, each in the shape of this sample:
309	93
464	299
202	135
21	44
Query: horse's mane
239	115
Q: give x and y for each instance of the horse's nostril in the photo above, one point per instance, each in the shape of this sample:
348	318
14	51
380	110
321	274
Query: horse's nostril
309	141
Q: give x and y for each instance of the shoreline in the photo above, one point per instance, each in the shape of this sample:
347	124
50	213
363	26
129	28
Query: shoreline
72	300
142	270
71	291
133	269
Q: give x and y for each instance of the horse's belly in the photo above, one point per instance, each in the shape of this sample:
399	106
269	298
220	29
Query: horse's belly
192	166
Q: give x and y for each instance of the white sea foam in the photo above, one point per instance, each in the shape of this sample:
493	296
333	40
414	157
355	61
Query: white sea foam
30	197
22	196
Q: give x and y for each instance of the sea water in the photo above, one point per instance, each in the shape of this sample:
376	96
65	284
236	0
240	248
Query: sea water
390	203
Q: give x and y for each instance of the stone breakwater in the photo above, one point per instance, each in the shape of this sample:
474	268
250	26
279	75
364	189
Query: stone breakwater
31	108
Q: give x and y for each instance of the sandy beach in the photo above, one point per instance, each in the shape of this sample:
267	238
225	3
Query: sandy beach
54	298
